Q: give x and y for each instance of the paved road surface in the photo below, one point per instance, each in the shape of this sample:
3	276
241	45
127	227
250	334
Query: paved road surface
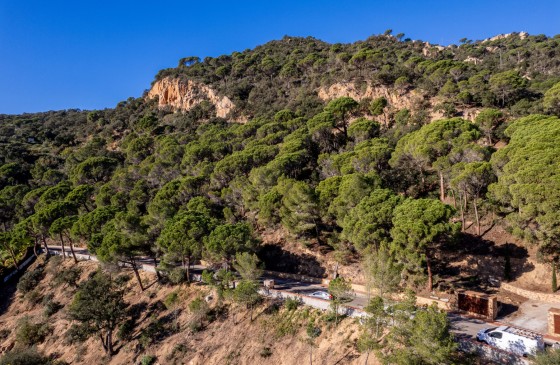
534	316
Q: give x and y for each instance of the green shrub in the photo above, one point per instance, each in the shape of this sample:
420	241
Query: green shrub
291	304
548	357
47	298
122	279
67	277
177	275
265	352
195	327
4	333
26	356
179	349
125	330
171	300
80	352
152	333
76	334
34	297
199	309
30	333
30	280
53	265
148	360
51	306
330	317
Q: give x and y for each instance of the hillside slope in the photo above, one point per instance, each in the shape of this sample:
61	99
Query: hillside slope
275	336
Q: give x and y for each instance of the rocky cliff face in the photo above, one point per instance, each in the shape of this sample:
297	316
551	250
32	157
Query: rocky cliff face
395	98
412	100
185	94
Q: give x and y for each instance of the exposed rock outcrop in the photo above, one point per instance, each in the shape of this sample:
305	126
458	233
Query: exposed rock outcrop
395	98
521	35
185	94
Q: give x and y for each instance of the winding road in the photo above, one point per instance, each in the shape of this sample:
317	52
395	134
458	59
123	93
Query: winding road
465	328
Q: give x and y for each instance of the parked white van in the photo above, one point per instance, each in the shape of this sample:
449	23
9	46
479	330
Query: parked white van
516	340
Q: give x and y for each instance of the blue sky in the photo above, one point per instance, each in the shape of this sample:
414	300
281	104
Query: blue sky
92	54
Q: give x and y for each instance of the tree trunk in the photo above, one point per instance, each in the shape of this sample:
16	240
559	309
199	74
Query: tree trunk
462	204
441	187
135	269
12	254
188	269
110	342
155	268
454	198
430	277
35	247
476	216
462	211
310	354
62	244
367	356
103	342
336	314
72	250
46	247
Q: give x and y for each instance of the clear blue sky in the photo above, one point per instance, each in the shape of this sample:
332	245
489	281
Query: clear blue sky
92	54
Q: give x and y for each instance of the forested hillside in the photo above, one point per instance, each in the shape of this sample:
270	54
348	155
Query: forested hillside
360	178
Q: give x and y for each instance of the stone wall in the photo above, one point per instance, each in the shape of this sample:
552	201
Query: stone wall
543	297
440	302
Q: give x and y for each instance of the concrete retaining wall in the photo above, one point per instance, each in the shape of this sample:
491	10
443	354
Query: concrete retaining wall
426	301
543	297
22	266
312	302
79	256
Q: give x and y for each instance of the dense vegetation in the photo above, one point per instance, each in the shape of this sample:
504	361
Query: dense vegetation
359	177
511	72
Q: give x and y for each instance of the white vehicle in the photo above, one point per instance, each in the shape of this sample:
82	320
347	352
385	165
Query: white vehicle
516	340
321	294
